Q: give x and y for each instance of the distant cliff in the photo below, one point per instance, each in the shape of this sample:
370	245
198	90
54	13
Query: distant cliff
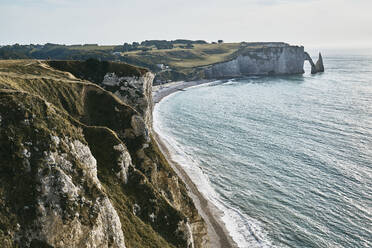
78	164
268	60
181	60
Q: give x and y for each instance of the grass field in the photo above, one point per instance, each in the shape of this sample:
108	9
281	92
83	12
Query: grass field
183	59
91	47
199	55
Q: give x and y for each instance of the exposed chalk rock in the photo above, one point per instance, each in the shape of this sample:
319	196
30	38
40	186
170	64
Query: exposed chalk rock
266	61
124	161
185	228
61	202
135	91
73	179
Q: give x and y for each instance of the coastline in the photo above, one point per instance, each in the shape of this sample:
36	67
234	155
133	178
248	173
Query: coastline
219	236
163	90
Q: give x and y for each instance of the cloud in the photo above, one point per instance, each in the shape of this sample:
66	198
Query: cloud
307	22
278	2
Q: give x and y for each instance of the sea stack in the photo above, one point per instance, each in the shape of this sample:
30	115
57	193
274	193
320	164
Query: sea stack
315	68
319	67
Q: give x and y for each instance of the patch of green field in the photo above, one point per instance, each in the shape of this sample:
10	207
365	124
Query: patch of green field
91	47
199	55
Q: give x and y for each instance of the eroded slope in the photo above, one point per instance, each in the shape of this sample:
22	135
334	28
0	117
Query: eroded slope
78	166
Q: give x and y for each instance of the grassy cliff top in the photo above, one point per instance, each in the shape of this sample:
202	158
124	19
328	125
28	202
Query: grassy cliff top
177	54
186	62
94	70
183	59
199	55
80	69
196	56
37	103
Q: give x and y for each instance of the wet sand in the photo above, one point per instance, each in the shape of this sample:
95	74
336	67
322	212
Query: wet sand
218	235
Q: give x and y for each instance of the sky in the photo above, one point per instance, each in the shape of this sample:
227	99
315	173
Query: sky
312	23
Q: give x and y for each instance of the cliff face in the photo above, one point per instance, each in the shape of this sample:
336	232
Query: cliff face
269	60
78	165
137	92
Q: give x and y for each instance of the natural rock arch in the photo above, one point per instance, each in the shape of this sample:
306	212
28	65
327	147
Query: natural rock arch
315	68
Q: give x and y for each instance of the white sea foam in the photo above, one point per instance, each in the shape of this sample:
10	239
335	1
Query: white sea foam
245	231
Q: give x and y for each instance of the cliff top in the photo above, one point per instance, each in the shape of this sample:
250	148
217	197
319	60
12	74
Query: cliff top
171	60
95	70
178	53
197	55
77	161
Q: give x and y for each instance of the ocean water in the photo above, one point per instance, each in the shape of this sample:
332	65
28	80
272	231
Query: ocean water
287	159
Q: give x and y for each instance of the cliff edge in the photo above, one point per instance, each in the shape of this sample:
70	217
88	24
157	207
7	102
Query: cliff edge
78	163
263	60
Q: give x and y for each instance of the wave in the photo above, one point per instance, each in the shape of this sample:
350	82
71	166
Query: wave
244	230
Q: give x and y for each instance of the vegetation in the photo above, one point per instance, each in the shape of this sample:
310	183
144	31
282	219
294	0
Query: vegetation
94	70
86	51
38	102
183	57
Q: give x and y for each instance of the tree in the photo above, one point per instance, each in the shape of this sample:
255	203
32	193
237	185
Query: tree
220	41
126	47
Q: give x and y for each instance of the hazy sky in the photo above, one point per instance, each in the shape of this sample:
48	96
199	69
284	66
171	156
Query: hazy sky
314	23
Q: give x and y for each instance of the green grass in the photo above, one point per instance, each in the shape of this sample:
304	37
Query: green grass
64	106
91	48
199	55
187	64
138	232
94	70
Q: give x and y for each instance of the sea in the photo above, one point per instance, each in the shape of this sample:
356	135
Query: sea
287	159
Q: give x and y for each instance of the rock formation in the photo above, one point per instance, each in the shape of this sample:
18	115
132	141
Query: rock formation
268	60
319	67
315	68
78	164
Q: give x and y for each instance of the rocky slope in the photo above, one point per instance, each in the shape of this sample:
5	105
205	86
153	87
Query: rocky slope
78	164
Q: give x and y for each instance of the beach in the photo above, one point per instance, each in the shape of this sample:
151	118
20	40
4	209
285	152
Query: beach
163	90
217	232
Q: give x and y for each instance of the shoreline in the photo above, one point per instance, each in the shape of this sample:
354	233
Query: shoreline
163	90
219	236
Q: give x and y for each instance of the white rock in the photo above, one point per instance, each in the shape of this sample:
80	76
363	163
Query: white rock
26	122
57	188
56	140
275	60
152	217
124	161
185	228
26	153
136	209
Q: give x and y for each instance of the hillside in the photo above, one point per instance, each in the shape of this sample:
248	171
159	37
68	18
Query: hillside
170	60
78	164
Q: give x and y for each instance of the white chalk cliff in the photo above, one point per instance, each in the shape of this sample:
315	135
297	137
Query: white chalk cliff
270	59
